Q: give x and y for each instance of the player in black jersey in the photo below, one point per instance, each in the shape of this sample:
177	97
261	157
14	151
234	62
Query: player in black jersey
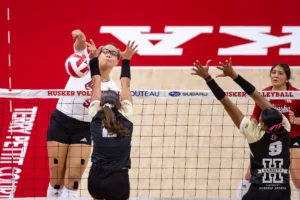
268	141
111	129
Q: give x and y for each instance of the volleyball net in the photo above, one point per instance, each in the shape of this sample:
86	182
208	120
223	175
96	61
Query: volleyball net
184	144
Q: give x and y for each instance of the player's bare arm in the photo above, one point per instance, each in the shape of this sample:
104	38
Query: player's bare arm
125	77
80	38
227	70
233	111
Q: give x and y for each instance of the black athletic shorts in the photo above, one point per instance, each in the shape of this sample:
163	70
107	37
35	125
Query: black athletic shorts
258	192
108	184
295	142
67	130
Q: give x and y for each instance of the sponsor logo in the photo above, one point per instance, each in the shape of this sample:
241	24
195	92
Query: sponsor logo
145	93
174	94
194	94
272	171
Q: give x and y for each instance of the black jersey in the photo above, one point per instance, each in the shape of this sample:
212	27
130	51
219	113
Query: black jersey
270	155
110	150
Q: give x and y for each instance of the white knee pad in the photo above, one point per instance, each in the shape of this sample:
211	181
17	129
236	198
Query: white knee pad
69	194
52	192
243	188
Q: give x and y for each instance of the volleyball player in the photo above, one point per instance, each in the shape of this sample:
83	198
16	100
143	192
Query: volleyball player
280	75
68	136
269	143
111	130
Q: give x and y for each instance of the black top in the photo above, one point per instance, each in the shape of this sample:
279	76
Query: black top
111	151
270	160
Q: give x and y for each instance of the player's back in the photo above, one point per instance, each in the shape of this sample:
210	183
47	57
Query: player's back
111	151
270	160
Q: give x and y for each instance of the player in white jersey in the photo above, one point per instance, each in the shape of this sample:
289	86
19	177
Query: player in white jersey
69	137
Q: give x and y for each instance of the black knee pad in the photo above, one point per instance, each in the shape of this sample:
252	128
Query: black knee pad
56	186
75	186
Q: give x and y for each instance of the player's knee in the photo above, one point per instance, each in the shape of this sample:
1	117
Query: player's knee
73	184
82	161
296	183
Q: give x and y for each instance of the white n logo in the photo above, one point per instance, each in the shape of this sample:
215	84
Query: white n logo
173	37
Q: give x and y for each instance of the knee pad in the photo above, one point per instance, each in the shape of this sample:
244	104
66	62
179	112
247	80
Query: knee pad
75	186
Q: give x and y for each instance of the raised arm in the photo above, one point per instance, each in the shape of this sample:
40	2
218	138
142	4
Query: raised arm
244	84
232	110
80	38
96	80
125	76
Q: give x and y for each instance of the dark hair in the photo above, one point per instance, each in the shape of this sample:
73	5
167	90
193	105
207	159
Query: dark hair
112	44
286	69
110	102
272	117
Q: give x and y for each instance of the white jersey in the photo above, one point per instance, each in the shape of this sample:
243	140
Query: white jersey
77	107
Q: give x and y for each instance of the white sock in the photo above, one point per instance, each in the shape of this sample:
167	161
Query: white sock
243	188
52	192
69	193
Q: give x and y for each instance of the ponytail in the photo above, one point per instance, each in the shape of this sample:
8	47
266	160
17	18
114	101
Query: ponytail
110	122
278	130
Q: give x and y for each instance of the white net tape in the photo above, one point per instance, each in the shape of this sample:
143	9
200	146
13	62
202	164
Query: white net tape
169	94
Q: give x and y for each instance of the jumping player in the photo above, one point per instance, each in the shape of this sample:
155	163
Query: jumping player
68	136
269	142
280	75
111	130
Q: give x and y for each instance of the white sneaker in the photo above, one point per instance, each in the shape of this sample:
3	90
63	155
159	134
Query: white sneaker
243	188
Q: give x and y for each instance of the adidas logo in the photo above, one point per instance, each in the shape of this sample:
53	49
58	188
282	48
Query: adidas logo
83	140
296	144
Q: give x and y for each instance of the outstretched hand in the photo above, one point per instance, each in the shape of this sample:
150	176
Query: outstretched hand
94	52
227	69
130	50
200	70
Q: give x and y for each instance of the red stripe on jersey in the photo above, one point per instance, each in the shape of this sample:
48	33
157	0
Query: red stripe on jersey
72	72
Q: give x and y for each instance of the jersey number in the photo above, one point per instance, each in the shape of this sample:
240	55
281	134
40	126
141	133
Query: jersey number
106	135
275	148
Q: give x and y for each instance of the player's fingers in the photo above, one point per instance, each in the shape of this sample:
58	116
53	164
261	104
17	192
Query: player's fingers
207	63
128	44
198	63
230	61
93	43
222	64
195	70
132	44
135	47
220	68
220	75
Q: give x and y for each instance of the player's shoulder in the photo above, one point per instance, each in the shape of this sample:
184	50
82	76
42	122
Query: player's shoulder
293	88
267	88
